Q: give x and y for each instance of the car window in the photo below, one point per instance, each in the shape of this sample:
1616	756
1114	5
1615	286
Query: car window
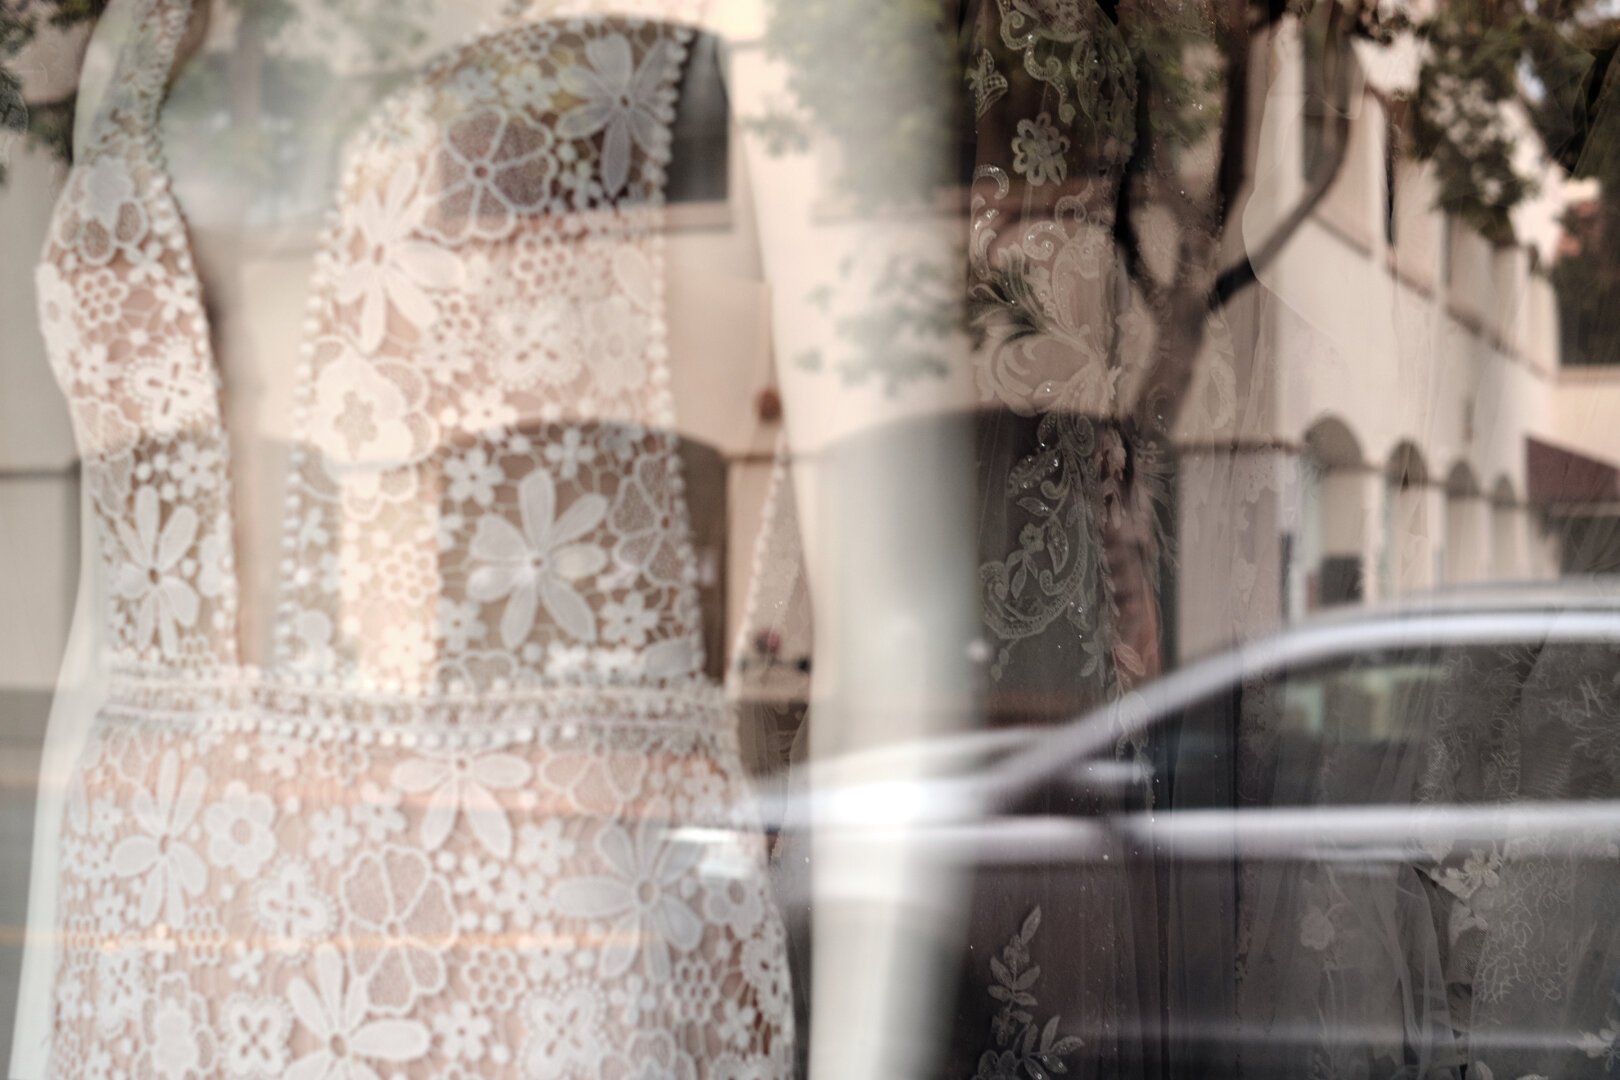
1354	731
1431	726
1361	729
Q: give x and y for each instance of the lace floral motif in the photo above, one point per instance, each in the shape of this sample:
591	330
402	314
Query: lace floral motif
1502	900
127	346
442	400
425	947
479	816
1026	1048
1496	935
1038	151
1074	53
1052	350
1603	1045
488	372
1065	328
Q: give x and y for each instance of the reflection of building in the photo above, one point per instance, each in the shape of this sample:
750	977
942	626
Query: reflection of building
1404	421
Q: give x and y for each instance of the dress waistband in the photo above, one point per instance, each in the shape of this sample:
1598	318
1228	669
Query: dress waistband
559	714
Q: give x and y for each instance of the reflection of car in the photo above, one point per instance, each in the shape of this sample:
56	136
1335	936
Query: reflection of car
1374	845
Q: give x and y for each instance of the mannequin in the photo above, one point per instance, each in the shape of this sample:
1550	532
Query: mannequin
253	129
895	667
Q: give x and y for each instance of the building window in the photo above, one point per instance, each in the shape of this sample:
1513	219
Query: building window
1391	150
701	131
1445	249
1325	81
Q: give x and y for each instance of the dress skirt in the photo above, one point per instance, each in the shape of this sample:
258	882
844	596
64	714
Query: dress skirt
274	883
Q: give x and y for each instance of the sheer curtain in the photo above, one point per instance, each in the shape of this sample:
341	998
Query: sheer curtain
1480	942
1332	956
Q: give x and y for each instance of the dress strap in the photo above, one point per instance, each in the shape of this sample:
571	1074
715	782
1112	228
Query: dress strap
145	63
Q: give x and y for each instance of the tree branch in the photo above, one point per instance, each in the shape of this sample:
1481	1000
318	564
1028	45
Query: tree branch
1188	301
1231	172
1233	280
1177	342
1124	225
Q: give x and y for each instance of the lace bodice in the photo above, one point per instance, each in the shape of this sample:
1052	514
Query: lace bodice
486	495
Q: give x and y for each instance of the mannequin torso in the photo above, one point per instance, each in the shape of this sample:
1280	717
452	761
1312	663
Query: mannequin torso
253	130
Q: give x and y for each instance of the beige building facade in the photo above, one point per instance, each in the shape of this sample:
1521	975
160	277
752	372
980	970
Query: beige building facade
1402	422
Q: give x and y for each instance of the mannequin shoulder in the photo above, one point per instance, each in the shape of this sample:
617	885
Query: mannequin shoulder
112	31
727	20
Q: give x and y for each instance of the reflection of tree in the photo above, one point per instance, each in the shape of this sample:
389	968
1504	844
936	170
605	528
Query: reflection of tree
882	79
1136	88
320	61
1111	146
279	86
48	123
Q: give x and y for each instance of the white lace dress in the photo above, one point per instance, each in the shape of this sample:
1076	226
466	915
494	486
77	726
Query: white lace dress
479	815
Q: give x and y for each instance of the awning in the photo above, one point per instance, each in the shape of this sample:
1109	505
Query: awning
1556	476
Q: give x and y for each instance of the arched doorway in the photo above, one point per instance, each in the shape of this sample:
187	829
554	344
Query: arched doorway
1507	540
1330	557
1413	545
1468	531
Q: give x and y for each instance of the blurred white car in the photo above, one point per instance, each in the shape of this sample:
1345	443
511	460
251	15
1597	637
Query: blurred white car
1293	859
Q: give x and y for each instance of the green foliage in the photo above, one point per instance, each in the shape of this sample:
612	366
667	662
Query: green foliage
1475	52
1173	45
47	124
892	100
388	29
17	29
1567	61
1556	58
1553	57
897	329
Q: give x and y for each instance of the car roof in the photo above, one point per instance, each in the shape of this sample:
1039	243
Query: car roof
1497	613
1568	609
1576	592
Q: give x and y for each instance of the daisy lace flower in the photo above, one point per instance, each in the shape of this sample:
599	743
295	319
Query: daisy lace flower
401	919
346	1037
169	868
492	167
539	563
150	574
459	782
388	268
640	895
617	96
